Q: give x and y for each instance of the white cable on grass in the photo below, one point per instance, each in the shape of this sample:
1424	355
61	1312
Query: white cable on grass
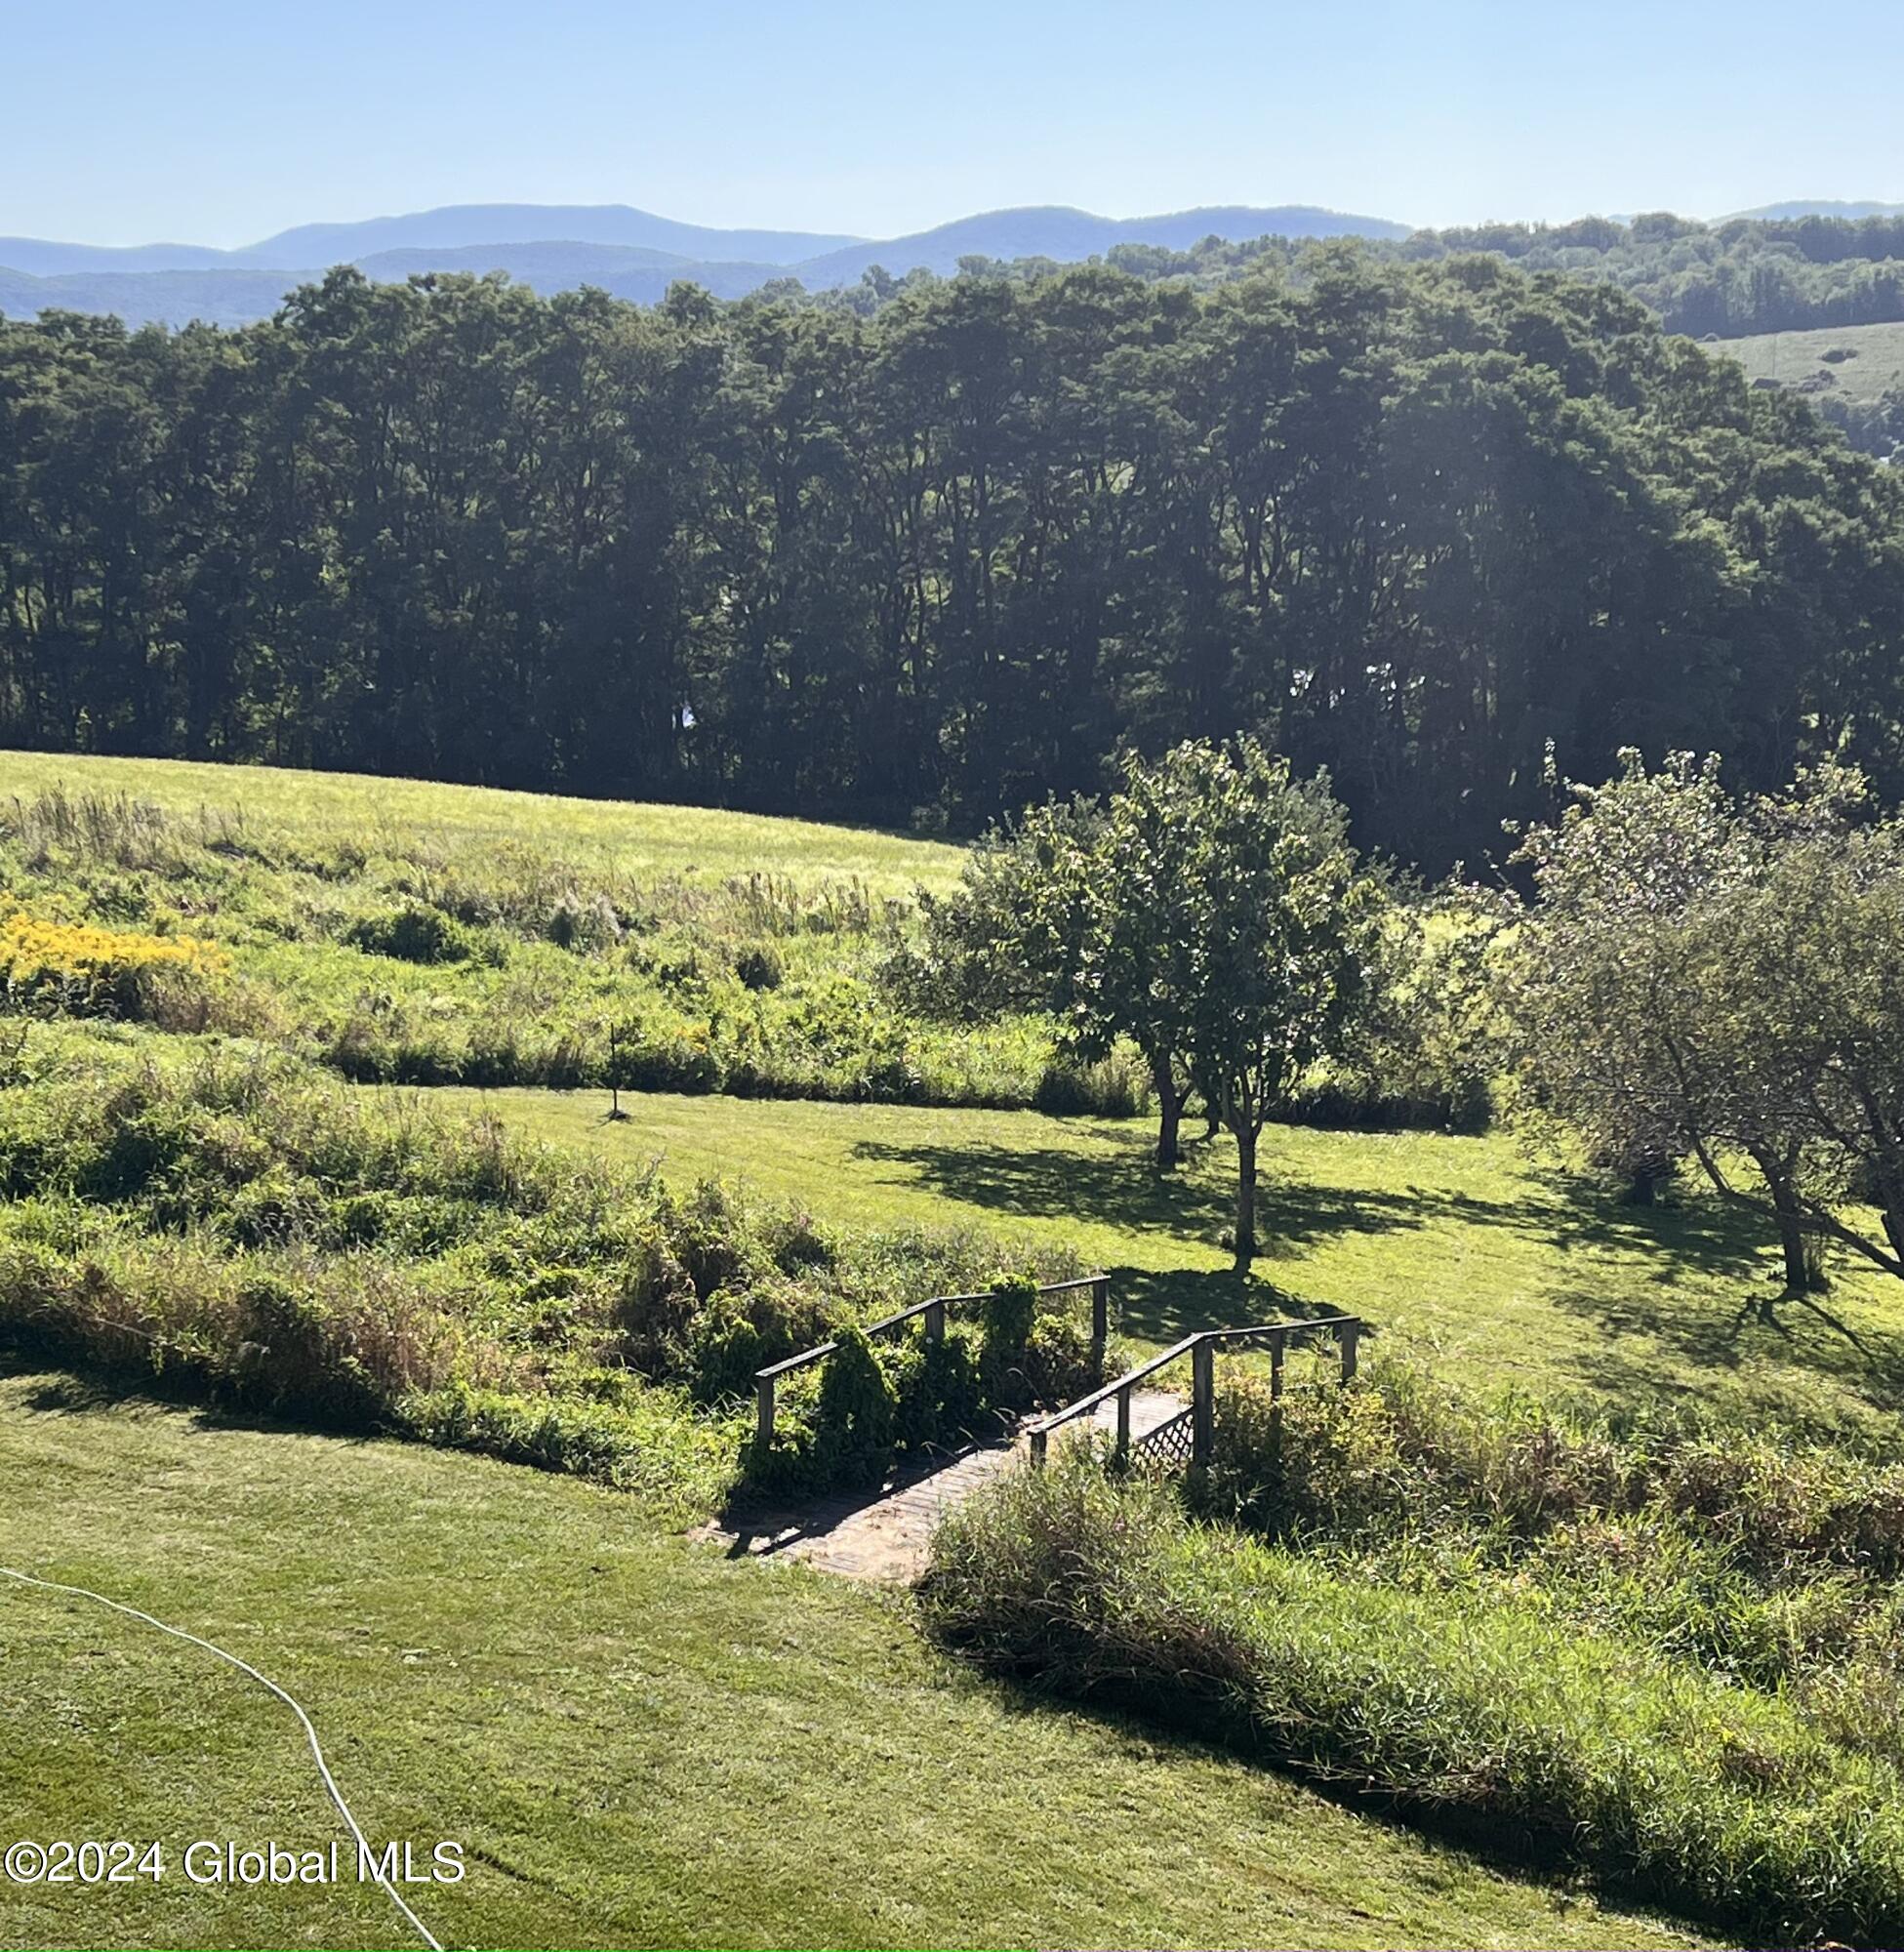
365	1854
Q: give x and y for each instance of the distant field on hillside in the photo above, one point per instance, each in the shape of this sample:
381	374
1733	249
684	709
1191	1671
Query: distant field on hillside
1792	357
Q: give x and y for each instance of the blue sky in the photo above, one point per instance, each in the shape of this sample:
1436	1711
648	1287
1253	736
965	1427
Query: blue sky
213	122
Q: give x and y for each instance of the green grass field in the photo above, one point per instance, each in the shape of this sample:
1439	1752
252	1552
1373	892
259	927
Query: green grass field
424	934
1472	1254
649	841
636	1742
1790	358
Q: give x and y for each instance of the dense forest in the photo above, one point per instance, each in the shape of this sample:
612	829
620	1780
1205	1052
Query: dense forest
1410	522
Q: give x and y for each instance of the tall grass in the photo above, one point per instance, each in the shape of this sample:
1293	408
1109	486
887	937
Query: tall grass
431	955
1479	1708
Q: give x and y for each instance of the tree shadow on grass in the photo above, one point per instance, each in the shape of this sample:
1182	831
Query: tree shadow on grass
1123	1189
1668	1288
1166	1305
55	1389
1727	1332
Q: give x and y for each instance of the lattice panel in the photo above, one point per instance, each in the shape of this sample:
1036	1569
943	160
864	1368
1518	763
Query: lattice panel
1168	1447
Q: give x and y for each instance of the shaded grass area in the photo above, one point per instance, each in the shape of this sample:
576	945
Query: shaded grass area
1465	1251
636	1742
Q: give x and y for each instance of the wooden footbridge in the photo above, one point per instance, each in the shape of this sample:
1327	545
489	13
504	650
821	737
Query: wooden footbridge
886	1534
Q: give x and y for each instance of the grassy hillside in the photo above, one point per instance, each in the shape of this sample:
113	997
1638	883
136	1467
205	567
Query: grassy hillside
700	844
1797	359
636	1742
428	934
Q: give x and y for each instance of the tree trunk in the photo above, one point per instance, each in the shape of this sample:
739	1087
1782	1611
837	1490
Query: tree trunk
1245	1195
1804	1274
1646	1175
1170	1112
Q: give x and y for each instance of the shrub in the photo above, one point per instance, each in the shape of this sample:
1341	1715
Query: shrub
759	967
291	1352
735	1334
1117	1087
79	970
583	923
857	1418
413	933
938	1398
1006	1313
1057	1364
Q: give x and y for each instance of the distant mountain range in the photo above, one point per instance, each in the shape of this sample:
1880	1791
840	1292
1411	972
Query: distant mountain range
1774	213
627	251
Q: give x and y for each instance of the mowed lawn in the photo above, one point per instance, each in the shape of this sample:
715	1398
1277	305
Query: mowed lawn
1469	1254
636	1740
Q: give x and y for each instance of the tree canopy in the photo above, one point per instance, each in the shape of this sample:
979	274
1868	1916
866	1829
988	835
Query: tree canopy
1407	524
1212	911
1723	979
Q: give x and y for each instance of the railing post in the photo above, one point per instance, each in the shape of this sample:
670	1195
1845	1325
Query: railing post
1099	1325
1279	1348
935	1321
1124	1425
763	1412
1349	1335
1202	1400
1037	1450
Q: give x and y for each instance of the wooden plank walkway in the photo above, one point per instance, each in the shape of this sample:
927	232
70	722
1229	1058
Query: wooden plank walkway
885	1535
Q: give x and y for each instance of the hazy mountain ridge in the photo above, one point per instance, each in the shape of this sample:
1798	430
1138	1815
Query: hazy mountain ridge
171	284
635	255
1774	213
453	228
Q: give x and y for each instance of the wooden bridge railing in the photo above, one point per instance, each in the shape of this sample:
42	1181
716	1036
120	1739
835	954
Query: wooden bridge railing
1201	1350
766	1382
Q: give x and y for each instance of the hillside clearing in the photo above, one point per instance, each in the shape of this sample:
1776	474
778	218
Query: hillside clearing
1876	363
641	837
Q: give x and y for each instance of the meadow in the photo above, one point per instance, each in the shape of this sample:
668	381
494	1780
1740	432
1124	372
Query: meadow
1595	1577
422	934
1869	361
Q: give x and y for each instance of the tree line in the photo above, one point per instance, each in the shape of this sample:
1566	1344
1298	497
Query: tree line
1410	524
1720	280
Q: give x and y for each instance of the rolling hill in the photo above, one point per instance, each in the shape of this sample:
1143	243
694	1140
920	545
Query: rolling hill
1848	212
455	228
